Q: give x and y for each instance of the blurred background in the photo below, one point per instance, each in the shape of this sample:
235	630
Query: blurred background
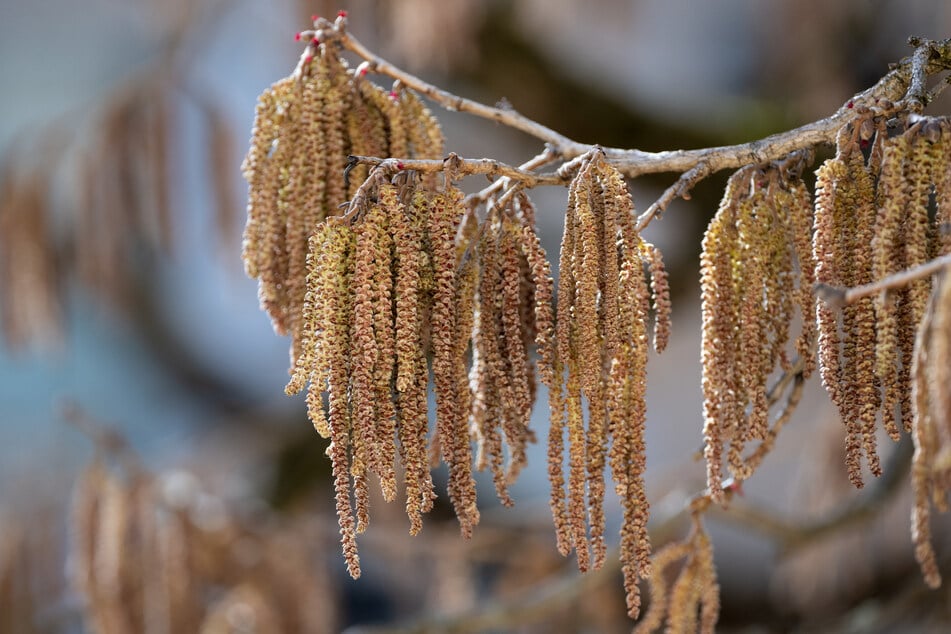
131	336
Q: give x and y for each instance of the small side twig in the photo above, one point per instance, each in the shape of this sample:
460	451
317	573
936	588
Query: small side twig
680	189
838	298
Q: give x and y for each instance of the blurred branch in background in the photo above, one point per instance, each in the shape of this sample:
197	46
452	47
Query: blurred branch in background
90	197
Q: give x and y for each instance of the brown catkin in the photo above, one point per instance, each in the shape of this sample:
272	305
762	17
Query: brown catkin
411	372
831	242
718	345
887	259
518	408
488	378
365	355
384	329
560	423
660	297
601	347
797	204
445	214
924	437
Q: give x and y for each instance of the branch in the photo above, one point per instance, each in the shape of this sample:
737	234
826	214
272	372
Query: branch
837	297
680	189
929	57
461	167
792	535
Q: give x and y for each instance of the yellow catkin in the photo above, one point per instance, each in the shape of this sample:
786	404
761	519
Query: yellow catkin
337	352
887	259
266	169
797	205
467	282
385	334
309	181
924	437
916	241
941	177
267	124
560	425
365	355
411	372
829	248
626	391
445	214
601	348
719	342
751	284
856	215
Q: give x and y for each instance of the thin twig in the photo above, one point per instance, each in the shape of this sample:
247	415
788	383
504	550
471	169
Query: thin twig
917	95
463	167
680	189
540	160
837	297
508	117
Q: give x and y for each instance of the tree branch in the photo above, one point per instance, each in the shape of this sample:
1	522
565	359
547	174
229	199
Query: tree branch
837	297
463	167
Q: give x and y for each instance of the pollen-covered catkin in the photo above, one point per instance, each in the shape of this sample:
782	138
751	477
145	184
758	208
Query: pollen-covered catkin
601	349
753	279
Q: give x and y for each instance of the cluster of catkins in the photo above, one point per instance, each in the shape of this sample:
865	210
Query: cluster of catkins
154	553
608	278
393	276
882	205
756	275
306	126
385	277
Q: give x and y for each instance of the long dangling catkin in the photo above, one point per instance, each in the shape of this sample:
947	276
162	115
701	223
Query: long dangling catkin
858	323
515	422
718	344
660	297
888	258
830	244
917	241
486	361
753	279
926	440
797	204
599	358
445	212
